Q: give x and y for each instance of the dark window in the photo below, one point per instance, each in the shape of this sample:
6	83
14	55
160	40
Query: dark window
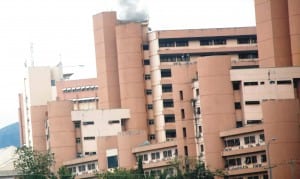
184	132
114	122
146	62
145	157
88	123
198	111
236	85
252	102
249	139
77	124
89	138
52	82
148	91
112	162
145	47
181	95
166	43
213	41
149	106
169	118
152	137
171	133
237	105
167	153
165	73
155	155
284	82
250	55
147	77
186	151
263	158
197	92
182	114
262	137
81	168
91	166
254	121
181	43
232	142
246	40
174	57
251	83
77	140
251	159
239	124
202	148
166	88
168	103
200	129
150	121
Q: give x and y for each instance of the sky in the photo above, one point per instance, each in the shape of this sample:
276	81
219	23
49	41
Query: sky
62	30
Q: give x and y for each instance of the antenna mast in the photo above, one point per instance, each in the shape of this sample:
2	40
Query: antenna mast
31	54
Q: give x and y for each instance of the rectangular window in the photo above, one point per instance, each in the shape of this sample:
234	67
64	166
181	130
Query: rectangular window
148	91
165	73
166	43
252	102
112	161
246	40
181	95
184	132
169	118
171	133
198	110
249	139
284	82
145	157
152	137
251	159
149	106
261	137
236	85
197	92
202	148
237	105
145	47
77	124
146	62
167	153
89	138
150	121
88	123
53	82
147	77
166	88
232	142
239	124
77	140
81	168
186	151
168	103
250	55
91	166
182	113
251	83
263	158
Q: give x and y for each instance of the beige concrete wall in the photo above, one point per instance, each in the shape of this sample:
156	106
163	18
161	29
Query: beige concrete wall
106	59
217	105
294	15
62	132
131	69
281	121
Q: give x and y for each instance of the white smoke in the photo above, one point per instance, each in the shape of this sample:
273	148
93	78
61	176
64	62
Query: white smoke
132	10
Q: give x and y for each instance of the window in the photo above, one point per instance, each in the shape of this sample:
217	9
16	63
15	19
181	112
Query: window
88	123
251	83
263	158
181	95
77	124
91	166
182	113
155	155
184	132
239	124
112	161
254	121
171	133
172	42
152	137
52	82
261	137
186	151
167	153
150	121
89	138
253	177
81	168
169	118
237	105
232	142
166	88
77	140
146	62
197	92
252	102
148	91
200	129
284	82
113	122
236	85
198	110
251	159
149	106
145	47
234	162
213	41
249	55
165	73
147	77
145	157
249	139
168	103
247	40
202	148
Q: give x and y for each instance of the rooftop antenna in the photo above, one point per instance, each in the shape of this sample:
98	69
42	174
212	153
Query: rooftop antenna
31	54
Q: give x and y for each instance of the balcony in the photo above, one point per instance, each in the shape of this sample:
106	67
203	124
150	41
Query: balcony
237	150
247	168
158	163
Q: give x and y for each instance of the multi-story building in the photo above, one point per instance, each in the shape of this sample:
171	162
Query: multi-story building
210	94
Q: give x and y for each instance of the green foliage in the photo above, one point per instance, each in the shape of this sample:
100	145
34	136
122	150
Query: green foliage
120	173
64	173
140	169
33	164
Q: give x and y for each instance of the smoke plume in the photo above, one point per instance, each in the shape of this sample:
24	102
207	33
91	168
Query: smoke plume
132	10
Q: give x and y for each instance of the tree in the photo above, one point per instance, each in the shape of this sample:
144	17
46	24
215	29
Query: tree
140	169
33	164
64	173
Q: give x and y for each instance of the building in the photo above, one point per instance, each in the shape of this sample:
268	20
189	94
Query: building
226	96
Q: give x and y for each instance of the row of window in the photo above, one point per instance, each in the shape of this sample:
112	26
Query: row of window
206	41
237	105
82	168
79	89
156	155
279	82
165	73
248	160
251	139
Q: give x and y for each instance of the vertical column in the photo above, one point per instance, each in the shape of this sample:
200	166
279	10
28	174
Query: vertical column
294	21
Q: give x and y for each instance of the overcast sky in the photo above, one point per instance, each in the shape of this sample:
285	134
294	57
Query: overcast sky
63	30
